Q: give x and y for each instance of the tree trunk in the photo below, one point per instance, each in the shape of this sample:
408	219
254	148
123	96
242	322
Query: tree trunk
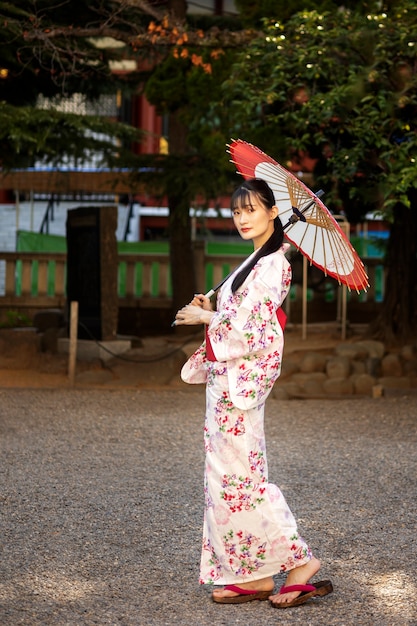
179	200
397	320
178	9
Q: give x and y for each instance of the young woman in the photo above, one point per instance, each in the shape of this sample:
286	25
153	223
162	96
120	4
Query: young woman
249	533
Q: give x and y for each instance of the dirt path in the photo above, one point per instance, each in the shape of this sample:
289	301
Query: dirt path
24	365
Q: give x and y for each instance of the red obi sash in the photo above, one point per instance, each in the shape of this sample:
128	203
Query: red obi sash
282	317
282	320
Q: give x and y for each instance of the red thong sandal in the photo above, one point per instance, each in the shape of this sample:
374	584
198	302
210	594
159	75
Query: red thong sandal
321	588
245	595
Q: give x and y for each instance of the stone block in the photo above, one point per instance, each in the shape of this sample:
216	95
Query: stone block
373	366
20	347
314	387
338	367
408	353
410	367
351	351
375	349
391	365
49	339
338	386
395	382
280	393
363	384
313	362
48	318
289	367
291	389
358	367
302	378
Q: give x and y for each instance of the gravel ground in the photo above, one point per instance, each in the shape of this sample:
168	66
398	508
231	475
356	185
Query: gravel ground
101	507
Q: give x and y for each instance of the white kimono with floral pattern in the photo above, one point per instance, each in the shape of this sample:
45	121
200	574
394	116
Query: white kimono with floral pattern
249	530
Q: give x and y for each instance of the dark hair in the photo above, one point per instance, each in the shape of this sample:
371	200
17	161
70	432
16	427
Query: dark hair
241	197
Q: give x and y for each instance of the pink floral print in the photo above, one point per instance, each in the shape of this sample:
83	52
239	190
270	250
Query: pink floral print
249	531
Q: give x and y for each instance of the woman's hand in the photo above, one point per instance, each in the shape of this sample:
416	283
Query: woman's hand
202	301
197	312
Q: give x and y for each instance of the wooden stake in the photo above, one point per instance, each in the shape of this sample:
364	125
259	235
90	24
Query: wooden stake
73	342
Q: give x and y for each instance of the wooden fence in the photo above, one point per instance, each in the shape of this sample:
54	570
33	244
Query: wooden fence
32	281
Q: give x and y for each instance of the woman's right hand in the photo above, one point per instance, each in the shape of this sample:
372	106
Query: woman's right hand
202	301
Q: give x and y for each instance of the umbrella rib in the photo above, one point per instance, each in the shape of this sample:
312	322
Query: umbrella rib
323	219
337	249
342	251
335	244
338	245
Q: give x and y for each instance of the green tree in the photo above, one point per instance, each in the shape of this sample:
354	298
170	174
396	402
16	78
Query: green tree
181	86
309	85
31	66
343	89
254	12
53	50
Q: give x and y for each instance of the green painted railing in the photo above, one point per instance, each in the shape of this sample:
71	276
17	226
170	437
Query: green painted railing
39	279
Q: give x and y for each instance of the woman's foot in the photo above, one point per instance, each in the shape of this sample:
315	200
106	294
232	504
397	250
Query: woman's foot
297	576
264	584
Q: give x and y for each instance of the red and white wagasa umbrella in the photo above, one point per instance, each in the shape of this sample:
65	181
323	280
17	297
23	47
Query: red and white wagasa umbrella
307	222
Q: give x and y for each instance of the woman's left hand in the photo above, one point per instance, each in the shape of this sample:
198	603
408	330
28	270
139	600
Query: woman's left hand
191	315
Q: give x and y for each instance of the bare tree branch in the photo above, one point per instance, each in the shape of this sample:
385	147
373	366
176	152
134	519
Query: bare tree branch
144	6
167	37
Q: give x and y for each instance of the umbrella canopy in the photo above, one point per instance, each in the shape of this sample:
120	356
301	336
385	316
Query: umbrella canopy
307	222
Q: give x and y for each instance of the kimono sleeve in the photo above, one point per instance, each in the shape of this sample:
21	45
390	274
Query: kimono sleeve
194	371
246	321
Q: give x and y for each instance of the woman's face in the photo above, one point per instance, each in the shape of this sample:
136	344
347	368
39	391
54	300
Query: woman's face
253	220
